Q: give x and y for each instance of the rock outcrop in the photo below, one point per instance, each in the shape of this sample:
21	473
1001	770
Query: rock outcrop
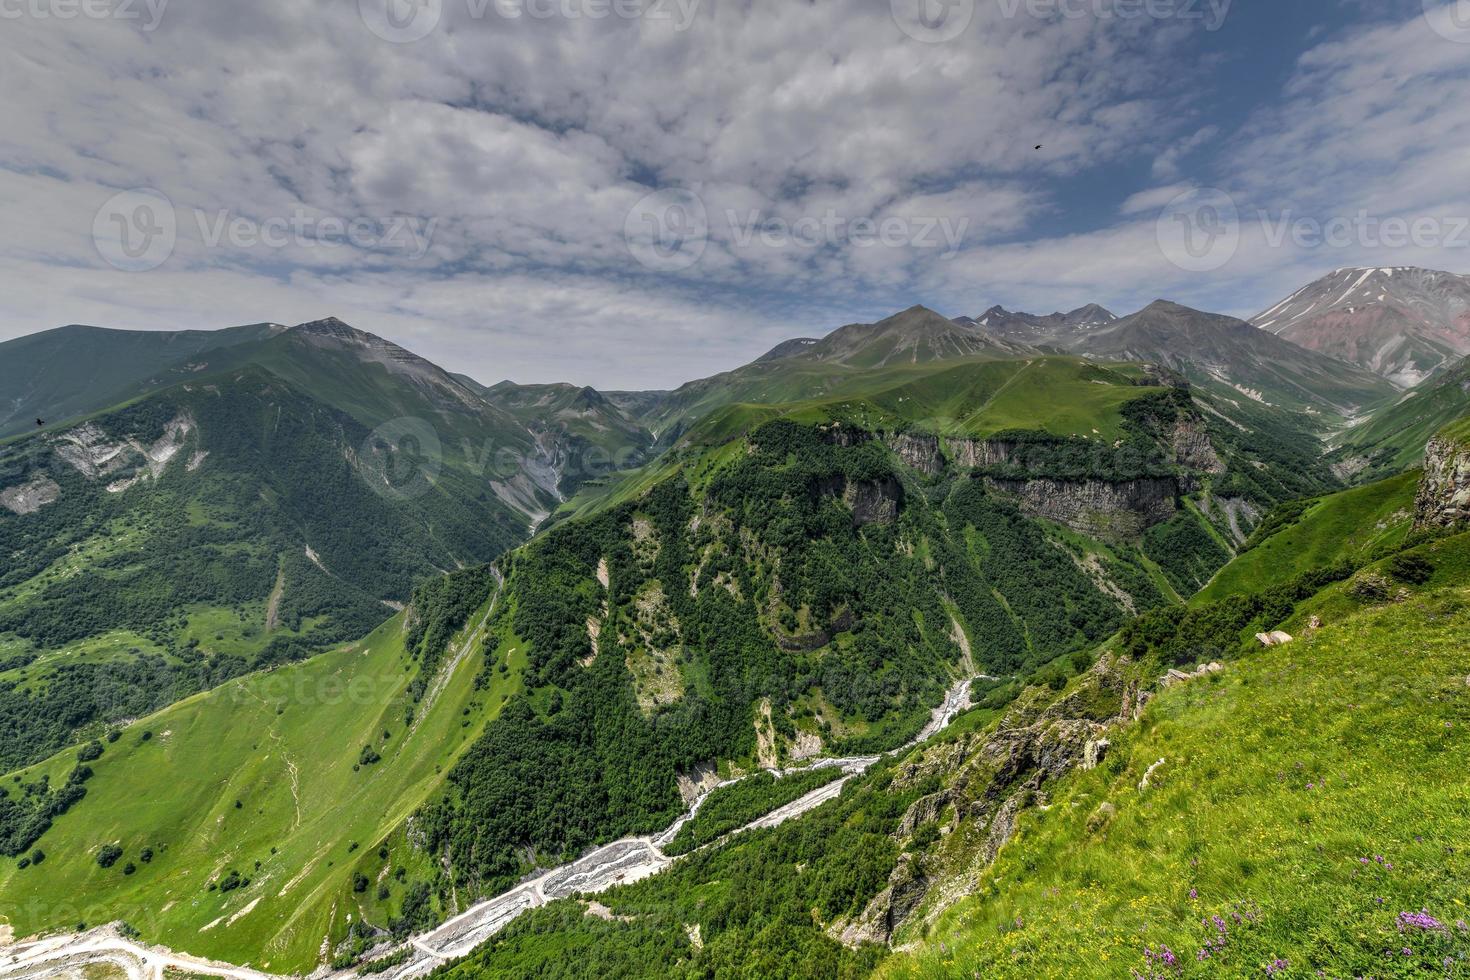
873	501
31	496
1097	507
1193	449
989	780
920	451
1444	492
907	886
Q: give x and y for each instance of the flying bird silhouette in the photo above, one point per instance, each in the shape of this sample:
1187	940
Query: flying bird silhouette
40	422
1038	146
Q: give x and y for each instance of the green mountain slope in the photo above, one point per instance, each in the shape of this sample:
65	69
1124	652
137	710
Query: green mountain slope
835	365
59	374
206	530
1299	808
268	777
1310	798
1318	532
1394	439
1237	359
813	587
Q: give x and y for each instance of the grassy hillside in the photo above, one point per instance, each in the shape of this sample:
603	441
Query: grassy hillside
1312	798
60	374
1309	796
1251	364
266	777
1394	439
203	531
1316	532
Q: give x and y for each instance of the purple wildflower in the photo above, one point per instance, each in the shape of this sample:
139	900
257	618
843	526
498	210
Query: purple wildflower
1420	920
1276	967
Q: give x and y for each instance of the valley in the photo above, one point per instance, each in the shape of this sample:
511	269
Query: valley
404	710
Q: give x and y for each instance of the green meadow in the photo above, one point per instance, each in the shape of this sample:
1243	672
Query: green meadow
290	806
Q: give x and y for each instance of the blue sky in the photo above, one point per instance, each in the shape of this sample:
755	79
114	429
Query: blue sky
526	189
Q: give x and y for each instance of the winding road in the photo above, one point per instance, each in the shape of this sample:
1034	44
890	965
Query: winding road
619	863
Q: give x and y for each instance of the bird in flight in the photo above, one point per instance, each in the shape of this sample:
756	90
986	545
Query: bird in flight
1038	146
40	422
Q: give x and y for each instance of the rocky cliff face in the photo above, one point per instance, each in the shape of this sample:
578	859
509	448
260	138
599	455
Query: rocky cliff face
1444	492
920	451
1193	449
1112	510
989	779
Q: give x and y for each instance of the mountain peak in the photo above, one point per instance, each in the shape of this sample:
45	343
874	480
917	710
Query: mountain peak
329	326
1404	323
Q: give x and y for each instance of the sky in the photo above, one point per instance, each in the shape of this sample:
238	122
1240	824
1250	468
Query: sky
634	193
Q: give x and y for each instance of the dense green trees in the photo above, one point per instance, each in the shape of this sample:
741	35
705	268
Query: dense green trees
763	585
277	495
731	807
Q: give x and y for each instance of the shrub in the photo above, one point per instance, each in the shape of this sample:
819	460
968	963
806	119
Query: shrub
1411	568
232	880
359	882
92	750
1369	587
109	854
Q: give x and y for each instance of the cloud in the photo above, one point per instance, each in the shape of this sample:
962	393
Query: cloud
520	147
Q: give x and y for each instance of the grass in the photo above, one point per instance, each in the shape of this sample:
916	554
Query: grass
968	398
1354	523
1316	791
1457	432
284	745
1399	433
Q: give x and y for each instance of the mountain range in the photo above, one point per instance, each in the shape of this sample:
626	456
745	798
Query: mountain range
307	644
1405	324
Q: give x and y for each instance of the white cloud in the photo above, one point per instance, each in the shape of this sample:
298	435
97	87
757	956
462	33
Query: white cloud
526	142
